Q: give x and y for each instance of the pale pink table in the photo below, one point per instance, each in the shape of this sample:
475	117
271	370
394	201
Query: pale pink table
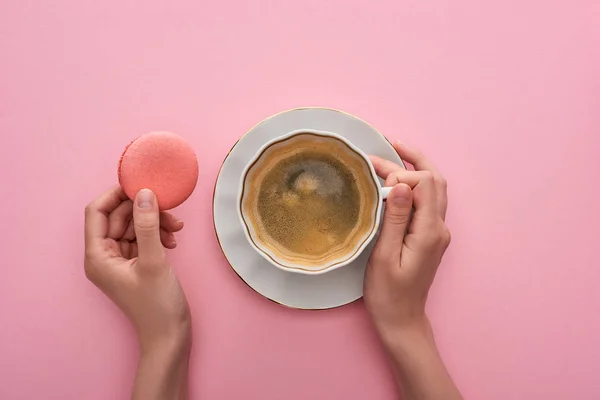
503	95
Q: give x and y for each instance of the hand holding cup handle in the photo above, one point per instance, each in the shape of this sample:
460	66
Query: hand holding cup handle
402	268
408	251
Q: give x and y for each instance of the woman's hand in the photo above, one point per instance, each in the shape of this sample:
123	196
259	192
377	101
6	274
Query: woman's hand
125	258
407	254
401	270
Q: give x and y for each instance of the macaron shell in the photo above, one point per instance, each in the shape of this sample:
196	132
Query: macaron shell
162	162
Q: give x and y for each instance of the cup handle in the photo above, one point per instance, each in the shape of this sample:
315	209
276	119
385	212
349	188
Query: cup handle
385	192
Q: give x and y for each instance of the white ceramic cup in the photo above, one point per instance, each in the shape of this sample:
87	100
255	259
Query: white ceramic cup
330	265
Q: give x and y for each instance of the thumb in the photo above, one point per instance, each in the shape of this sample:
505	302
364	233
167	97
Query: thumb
146	222
395	220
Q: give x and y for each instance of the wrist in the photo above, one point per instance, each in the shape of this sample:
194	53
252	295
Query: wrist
406	334
176	342
416	363
163	367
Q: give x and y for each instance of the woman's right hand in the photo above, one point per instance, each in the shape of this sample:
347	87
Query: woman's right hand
401	270
409	250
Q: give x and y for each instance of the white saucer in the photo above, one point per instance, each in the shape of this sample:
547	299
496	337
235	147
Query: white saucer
333	289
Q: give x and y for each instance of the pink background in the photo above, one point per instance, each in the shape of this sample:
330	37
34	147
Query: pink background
503	95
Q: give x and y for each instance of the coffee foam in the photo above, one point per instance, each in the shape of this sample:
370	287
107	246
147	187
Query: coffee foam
310	201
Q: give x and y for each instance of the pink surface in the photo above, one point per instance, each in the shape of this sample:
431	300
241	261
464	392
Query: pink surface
162	162
503	95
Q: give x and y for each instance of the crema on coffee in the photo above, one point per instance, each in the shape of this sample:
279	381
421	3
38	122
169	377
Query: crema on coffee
309	199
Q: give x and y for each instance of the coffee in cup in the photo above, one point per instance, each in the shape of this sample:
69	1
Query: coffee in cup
309	201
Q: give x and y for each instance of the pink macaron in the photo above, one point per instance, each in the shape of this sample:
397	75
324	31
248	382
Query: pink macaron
162	162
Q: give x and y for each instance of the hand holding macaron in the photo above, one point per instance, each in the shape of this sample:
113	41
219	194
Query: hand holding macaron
126	233
125	258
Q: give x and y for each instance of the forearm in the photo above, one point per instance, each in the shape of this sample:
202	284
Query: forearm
163	372
417	364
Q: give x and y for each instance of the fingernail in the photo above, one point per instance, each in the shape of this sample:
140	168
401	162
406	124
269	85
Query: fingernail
401	194
399	143
145	198
173	243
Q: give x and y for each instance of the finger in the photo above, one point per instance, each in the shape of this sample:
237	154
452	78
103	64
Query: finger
421	163
167	239
128	249
133	250
118	220
384	167
424	196
170	223
125	248
130	231
415	157
411	178
395	222
146	219
96	213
